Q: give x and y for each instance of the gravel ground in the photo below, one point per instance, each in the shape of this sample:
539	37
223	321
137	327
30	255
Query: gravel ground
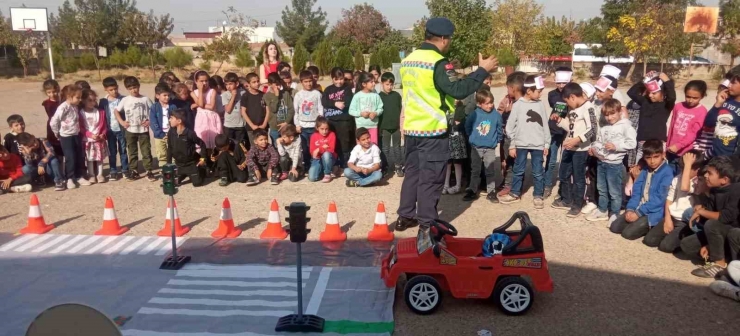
603	283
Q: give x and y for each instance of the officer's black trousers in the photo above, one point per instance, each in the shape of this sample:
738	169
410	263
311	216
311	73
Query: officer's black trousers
426	159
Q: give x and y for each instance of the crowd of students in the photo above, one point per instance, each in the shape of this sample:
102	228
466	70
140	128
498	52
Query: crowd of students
673	167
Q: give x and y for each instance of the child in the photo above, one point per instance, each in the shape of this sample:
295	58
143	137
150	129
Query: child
207	120
288	79
253	107
705	140
308	107
181	146
40	160
51	89
654	108
530	135
116	136
169	78
721	216
315	75
349	79
612	143
390	124
323	151
231	166
631	159
291	160
17	127
374	70
366	106
279	106
515	90
65	123
231	98
336	100
485	129
687	120
666	236
575	149
646	207
136	109
363	167
563	75
182	100
93	130
11	173
724	116
83	85
262	160
159	115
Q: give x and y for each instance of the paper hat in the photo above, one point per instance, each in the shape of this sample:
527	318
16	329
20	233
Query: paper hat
588	89
726	83
538	84
610	70
563	76
606	83
653	85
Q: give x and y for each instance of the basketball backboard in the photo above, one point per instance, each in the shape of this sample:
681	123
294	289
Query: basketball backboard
29	19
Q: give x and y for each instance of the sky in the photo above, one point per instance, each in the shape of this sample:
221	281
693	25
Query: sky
198	15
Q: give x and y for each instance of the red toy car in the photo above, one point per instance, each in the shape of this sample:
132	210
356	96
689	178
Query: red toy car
435	260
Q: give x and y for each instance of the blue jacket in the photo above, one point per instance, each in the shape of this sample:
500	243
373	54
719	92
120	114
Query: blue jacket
155	119
654	208
484	129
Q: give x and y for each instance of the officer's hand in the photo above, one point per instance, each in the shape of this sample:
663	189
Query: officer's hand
489	64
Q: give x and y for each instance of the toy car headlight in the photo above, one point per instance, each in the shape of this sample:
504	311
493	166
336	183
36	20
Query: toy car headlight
393	256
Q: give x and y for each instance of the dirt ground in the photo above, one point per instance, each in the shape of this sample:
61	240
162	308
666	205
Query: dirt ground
603	283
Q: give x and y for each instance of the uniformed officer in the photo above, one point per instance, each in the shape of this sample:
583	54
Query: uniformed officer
430	87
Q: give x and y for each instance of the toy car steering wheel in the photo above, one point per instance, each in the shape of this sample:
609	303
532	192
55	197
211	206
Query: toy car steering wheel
444	228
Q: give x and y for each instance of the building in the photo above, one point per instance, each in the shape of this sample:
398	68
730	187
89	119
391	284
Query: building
256	35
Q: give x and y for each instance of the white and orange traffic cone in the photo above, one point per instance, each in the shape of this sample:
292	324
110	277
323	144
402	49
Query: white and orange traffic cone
380	231
274	229
167	229
332	231
226	227
111	227
36	223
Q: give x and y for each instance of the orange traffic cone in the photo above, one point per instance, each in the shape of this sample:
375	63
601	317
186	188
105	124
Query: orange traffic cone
167	229
380	231
274	229
36	223
332	231
110	221
226	227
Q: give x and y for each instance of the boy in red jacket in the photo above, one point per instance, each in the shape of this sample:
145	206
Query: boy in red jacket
323	153
11	173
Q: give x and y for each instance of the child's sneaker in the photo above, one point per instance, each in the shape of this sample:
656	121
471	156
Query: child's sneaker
59	186
101	178
726	289
292	177
283	176
223	182
84	182
493	198
150	176
509	199
597	216
539	203
453	190
21	188
559	204
351	183
444	191
326	179
573	213
399	172
548	192
251	181
71	184
470	196
274	180
133	176
612	218
113	177
709	270
92	180
40	181
588	208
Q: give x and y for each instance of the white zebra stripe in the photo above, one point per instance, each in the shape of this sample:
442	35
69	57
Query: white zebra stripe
135	332
214	313
33	242
118	245
156	243
102	244
84	244
133	246
286	293
55	241
175	282
168	247
241	274
227	303
67	244
249	268
15	242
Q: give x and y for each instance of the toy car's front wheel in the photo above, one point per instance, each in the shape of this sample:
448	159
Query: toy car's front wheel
422	294
513	295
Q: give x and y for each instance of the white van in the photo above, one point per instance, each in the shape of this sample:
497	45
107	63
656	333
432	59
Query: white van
584	53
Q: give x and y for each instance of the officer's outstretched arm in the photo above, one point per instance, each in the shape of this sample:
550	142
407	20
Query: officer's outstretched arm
445	77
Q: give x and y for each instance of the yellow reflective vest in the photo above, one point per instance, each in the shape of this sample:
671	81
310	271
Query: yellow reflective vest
423	114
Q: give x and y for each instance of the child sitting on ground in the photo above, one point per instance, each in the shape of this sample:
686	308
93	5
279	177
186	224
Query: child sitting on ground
323	152
231	165
485	129
646	207
262	160
720	213
40	160
666	236
363	167
17	127
11	173
530	136
181	145
729	286
291	159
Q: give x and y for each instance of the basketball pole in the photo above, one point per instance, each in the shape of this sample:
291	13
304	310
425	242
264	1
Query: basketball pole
51	57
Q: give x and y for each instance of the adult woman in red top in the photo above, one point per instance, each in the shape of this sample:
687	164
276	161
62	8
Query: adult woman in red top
271	59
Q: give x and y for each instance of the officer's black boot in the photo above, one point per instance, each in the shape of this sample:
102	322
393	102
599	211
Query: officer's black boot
403	223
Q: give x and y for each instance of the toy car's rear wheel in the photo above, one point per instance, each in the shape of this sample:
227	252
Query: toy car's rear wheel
423	295
513	295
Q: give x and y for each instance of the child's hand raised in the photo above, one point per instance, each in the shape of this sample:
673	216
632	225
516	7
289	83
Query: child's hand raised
664	77
721	98
688	159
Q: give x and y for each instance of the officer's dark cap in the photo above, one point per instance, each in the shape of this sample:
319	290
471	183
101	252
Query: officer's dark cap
440	26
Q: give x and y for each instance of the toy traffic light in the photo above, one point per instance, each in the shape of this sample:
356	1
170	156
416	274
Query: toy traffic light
298	220
169	185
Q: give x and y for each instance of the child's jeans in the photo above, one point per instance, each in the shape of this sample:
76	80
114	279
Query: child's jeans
609	183
391	142
321	166
631	231
306	134
573	164
551	162
274	136
133	140
74	158
52	169
482	157
117	145
236	134
520	165
362	179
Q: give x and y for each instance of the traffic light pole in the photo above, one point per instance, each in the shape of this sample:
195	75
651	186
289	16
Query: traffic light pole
172	226
169	187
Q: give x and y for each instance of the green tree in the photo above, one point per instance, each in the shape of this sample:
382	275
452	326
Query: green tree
376	58
728	33
515	25
244	58
132	56
395	38
23	42
362	25
639	33
150	31
261	55
359	59
468	21
390	56
116	59
323	56
300	57
344	58
235	38
302	22
558	35
177	58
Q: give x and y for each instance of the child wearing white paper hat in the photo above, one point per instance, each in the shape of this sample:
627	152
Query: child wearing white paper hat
563	76
615	73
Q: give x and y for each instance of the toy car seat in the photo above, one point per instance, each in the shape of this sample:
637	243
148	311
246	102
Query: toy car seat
494	244
528	240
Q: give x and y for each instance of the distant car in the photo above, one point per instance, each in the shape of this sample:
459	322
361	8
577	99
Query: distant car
435	260
695	60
